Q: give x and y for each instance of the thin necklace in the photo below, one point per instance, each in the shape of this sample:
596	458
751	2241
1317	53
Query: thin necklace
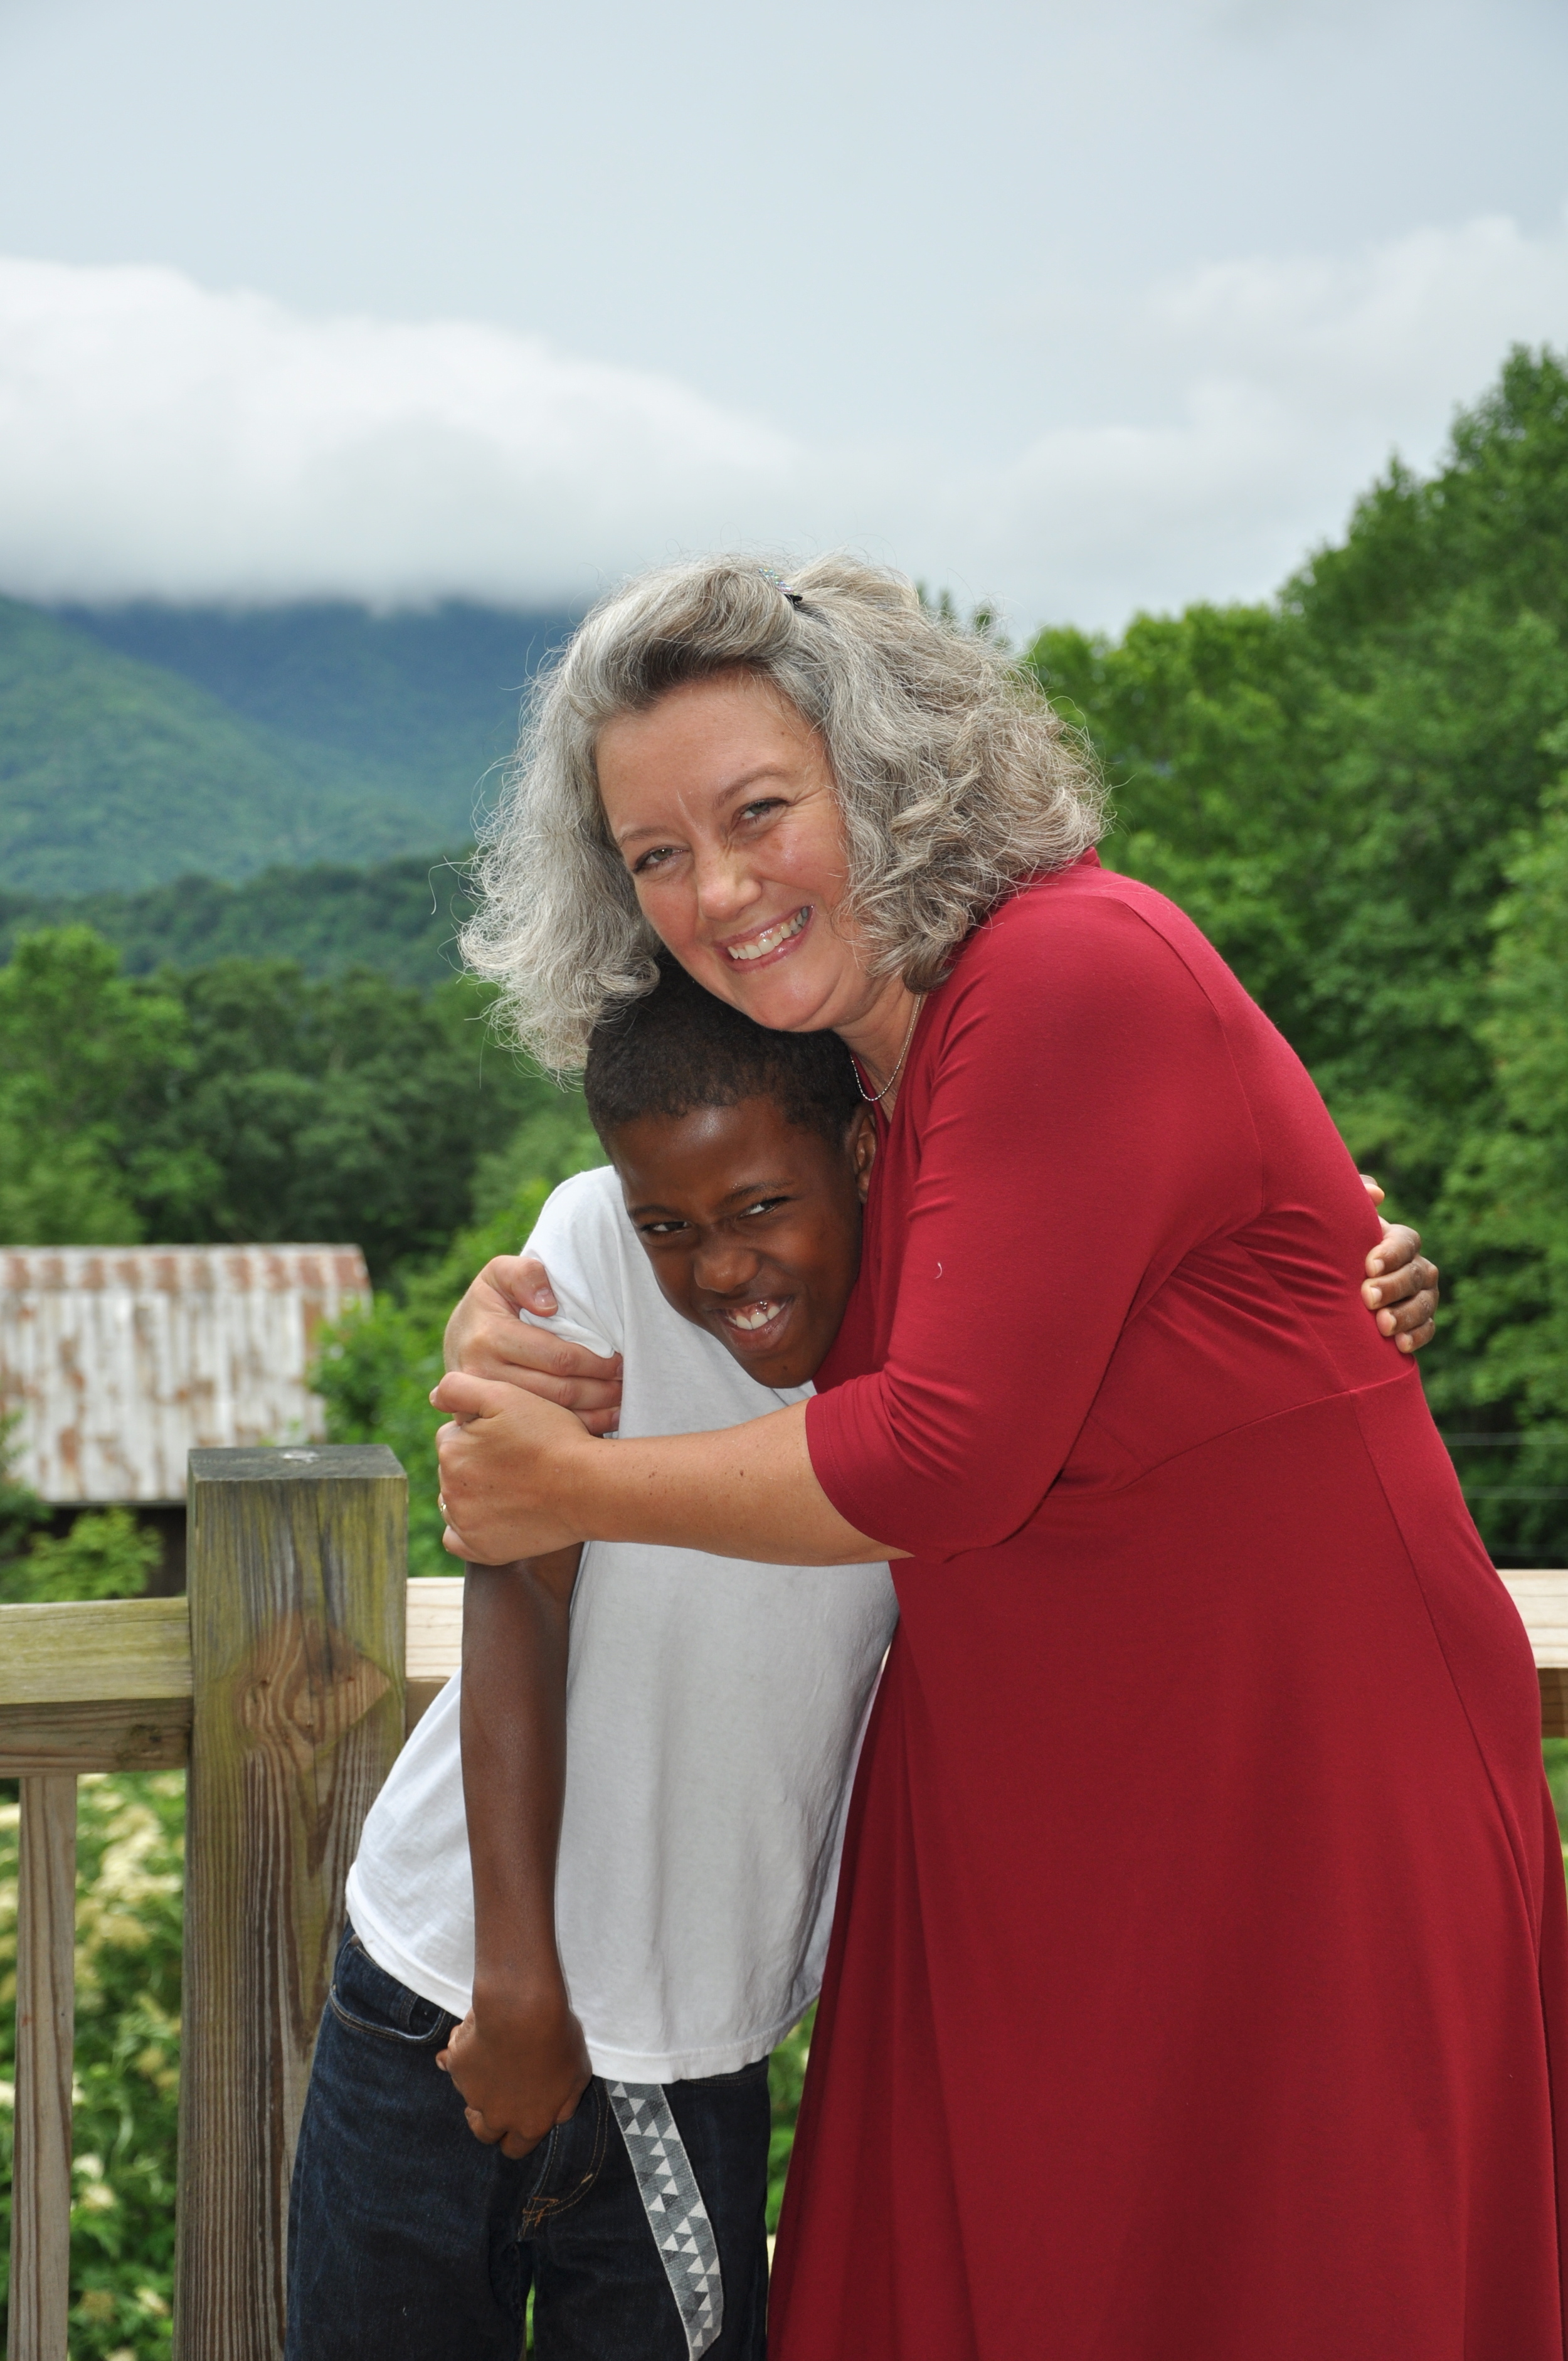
875	1098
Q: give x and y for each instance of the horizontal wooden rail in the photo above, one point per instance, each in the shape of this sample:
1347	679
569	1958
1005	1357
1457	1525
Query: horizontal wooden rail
105	1684
102	1686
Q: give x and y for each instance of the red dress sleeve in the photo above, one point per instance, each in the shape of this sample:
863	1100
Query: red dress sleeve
1080	1127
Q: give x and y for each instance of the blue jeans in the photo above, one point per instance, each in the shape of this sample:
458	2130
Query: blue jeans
639	2225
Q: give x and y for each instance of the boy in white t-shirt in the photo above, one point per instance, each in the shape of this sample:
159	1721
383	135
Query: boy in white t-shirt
603	1941
605	1936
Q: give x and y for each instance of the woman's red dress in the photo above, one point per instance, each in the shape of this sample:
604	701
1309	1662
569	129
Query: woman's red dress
1197	1987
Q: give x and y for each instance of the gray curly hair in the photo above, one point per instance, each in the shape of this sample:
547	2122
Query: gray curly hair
955	777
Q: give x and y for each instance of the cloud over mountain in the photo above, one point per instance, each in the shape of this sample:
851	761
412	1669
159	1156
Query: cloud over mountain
157	437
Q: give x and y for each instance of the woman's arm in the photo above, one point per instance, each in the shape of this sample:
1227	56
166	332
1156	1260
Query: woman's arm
486	1337
518	2057
519	1474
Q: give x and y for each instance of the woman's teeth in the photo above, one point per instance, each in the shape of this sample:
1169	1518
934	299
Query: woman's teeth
770	938
752	1315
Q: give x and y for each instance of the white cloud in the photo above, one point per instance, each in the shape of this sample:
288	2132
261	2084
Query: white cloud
156	437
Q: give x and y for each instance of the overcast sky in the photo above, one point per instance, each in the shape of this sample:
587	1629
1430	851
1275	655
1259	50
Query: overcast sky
1081	308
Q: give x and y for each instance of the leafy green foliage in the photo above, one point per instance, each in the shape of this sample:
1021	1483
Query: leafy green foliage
128	1909
105	1554
248	1100
400	917
79	1051
347	1108
1504	1206
1355	791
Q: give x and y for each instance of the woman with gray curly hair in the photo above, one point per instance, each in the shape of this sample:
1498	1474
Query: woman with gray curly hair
1198	1981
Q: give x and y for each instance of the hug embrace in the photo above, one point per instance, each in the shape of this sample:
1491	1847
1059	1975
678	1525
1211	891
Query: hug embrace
977	1281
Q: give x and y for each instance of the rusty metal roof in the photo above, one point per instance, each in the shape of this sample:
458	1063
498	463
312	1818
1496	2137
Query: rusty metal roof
121	1359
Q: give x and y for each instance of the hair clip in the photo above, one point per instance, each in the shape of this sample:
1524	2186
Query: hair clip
770	574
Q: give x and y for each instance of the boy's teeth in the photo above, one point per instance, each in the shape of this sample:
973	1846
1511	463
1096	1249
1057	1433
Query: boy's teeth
752	1315
771	938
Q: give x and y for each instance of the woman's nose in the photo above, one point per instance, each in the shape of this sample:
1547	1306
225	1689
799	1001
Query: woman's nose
725	889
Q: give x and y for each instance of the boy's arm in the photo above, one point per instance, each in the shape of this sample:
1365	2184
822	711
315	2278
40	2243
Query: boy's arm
518	2058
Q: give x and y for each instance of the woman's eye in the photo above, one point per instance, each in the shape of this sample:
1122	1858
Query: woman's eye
761	808
656	858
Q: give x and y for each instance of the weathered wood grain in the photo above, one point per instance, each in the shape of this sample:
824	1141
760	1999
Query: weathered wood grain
145	1734
297	1596
83	1653
46	1948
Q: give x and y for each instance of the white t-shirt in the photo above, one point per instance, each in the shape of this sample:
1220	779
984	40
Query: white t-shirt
713	1711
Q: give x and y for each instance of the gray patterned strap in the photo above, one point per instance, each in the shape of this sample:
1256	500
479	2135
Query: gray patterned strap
673	2202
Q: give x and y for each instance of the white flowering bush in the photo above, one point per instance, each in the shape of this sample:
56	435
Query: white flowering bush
130	1845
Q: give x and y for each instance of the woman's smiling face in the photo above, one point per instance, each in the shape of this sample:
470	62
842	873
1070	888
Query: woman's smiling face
720	801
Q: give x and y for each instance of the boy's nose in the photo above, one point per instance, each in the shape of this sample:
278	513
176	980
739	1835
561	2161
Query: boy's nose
724	1269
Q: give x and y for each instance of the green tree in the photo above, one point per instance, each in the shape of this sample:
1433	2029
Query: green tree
343	1108
1504	1211
1354	790
81	1052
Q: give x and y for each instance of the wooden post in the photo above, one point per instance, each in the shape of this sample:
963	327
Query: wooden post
45	2010
297	1562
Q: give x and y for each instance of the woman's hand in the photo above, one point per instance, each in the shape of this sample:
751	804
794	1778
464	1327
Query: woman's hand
1401	1285
503	1460
519	2068
487	1338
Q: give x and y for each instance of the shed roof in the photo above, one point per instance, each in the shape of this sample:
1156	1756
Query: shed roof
121	1359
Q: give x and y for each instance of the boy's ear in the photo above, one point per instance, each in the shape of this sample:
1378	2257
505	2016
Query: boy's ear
861	1144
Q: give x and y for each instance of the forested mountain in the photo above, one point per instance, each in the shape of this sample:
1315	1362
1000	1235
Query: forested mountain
1360	790
143	743
398	917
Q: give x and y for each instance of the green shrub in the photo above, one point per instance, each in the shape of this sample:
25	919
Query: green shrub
105	1554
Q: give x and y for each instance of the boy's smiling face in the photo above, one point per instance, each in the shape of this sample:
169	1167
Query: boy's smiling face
752	1225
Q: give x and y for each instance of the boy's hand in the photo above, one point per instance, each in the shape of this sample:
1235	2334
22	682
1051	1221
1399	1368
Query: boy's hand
1401	1285
520	2070
486	1338
497	1460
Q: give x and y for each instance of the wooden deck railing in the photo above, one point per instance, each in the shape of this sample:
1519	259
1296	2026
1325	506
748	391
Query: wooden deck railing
286	1681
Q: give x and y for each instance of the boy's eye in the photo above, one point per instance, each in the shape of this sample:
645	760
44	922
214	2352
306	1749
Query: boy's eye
660	1229
763	1205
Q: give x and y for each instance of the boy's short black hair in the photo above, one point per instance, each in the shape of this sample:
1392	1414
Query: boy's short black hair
680	1048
